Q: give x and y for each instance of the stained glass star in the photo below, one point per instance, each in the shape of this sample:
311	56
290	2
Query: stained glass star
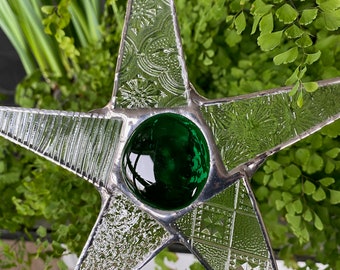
171	166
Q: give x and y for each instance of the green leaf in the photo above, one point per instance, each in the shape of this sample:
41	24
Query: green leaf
319	195
293	220
240	23
290	208
327	181
286	57
328	5
310	86
269	41
307	215
273	165
278	178
41	231
232	38
304	235
335	196
302	72
196	266
257	19
279	204
332	130
293	78
332	19
302	155
237	72
318	223
293	171
287	197
333	153
235	6
48	9
207	61
267	24
287	14
315	141
210	53
329	167
298	206
294	90
308	16
260	9
308	187
312	57
300	100
293	31
266	179
304	41
314	164
229	18
207	44
262	193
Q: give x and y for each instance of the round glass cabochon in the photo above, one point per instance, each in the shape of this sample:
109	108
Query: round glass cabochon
166	161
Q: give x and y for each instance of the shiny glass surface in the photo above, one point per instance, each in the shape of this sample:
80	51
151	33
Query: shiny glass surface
166	161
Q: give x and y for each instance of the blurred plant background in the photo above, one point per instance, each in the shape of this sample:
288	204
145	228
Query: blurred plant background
68	50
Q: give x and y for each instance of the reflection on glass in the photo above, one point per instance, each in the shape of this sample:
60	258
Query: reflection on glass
166	161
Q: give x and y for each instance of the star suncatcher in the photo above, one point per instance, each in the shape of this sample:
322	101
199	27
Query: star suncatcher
170	165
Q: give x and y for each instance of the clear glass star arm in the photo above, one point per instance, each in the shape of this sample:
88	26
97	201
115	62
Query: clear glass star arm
150	69
124	237
227	232
83	143
258	125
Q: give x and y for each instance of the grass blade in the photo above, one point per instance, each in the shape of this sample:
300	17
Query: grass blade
11	27
43	48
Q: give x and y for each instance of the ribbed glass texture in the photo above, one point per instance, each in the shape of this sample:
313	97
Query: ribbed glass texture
83	143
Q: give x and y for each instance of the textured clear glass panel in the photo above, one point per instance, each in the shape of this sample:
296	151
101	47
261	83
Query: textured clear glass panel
125	237
226	231
246	127
83	143
151	72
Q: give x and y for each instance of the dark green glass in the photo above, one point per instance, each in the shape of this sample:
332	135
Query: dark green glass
166	161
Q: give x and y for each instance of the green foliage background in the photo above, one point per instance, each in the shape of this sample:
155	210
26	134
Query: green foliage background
231	48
